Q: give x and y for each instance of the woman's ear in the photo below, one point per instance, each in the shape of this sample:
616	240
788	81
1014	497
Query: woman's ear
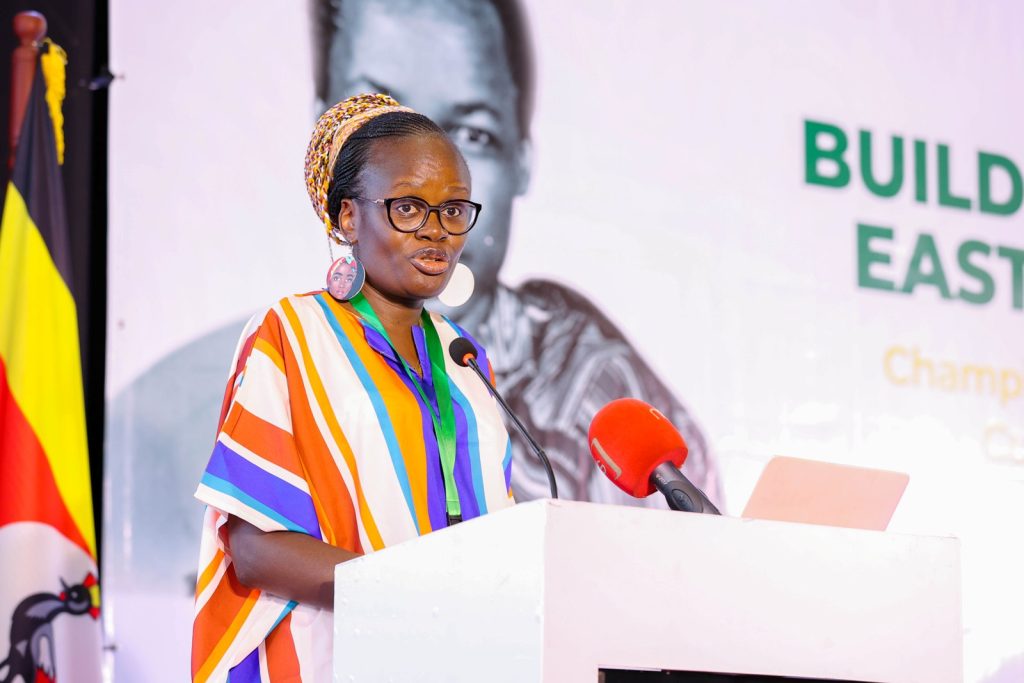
347	222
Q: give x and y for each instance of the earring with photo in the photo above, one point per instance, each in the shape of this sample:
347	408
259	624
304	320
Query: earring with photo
345	277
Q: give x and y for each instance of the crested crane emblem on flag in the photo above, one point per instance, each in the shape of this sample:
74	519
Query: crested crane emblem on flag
31	655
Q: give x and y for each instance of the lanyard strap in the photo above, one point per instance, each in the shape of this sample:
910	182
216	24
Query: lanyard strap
444	418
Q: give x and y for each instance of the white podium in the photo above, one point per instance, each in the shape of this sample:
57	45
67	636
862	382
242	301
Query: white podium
553	591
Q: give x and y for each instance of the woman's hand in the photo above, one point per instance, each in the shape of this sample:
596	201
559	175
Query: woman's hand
288	564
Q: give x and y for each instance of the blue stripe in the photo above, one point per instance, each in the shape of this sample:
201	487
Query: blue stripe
272	491
378	406
287	608
473	442
506	464
227	488
248	670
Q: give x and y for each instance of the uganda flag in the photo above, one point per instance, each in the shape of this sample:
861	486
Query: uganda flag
49	608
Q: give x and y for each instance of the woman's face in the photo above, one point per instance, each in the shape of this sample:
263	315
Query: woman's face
407	268
340	282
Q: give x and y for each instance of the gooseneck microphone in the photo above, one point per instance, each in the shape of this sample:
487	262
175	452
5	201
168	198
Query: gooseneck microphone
463	352
640	451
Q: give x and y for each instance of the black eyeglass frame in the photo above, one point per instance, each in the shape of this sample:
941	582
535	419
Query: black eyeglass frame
387	202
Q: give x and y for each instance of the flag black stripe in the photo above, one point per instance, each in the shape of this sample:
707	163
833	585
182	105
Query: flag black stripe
38	179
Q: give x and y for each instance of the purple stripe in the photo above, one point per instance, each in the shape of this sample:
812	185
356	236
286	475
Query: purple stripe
463	467
278	495
246	671
378	343
436	505
420	340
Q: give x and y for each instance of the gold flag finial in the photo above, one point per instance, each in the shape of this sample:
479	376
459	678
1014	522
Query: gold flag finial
54	62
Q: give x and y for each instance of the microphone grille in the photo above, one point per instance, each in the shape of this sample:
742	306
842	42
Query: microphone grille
461	350
629	439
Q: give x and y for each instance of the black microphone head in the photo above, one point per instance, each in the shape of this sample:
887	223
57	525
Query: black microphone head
462	351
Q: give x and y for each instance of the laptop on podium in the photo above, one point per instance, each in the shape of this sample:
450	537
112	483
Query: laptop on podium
814	492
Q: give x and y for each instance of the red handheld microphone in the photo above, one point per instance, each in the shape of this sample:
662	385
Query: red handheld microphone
640	451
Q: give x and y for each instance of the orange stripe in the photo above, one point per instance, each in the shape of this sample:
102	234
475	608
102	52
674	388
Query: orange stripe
209	572
282	660
316	385
308	441
400	403
273	354
266	440
335	511
223	616
311	458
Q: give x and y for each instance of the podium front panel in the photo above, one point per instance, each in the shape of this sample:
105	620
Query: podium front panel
554	591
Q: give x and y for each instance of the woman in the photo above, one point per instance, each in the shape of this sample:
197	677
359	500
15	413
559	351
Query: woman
345	427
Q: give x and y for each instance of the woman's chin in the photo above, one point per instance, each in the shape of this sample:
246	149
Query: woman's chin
429	288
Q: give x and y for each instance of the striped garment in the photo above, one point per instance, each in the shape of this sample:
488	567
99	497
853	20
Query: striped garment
322	433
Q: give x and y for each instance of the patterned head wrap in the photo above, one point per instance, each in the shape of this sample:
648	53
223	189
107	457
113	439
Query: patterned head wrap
334	127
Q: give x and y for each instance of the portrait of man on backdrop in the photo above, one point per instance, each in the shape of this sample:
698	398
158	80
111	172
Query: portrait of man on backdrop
469	66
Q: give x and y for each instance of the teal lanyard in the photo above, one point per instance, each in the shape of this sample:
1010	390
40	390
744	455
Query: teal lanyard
444	418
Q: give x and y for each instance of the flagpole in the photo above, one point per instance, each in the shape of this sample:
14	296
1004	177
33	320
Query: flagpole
30	28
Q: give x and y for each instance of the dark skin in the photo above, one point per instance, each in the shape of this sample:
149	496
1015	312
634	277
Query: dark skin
407	268
403	270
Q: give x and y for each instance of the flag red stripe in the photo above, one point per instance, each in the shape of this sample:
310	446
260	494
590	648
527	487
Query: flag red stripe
28	491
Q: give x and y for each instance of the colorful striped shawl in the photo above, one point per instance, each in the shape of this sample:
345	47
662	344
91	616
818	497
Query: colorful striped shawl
322	433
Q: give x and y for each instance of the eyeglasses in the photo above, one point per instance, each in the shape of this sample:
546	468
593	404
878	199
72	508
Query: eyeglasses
409	214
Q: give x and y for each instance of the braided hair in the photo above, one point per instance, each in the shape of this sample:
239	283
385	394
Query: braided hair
346	178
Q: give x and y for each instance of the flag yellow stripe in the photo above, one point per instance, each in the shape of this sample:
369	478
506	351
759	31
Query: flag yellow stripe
39	345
